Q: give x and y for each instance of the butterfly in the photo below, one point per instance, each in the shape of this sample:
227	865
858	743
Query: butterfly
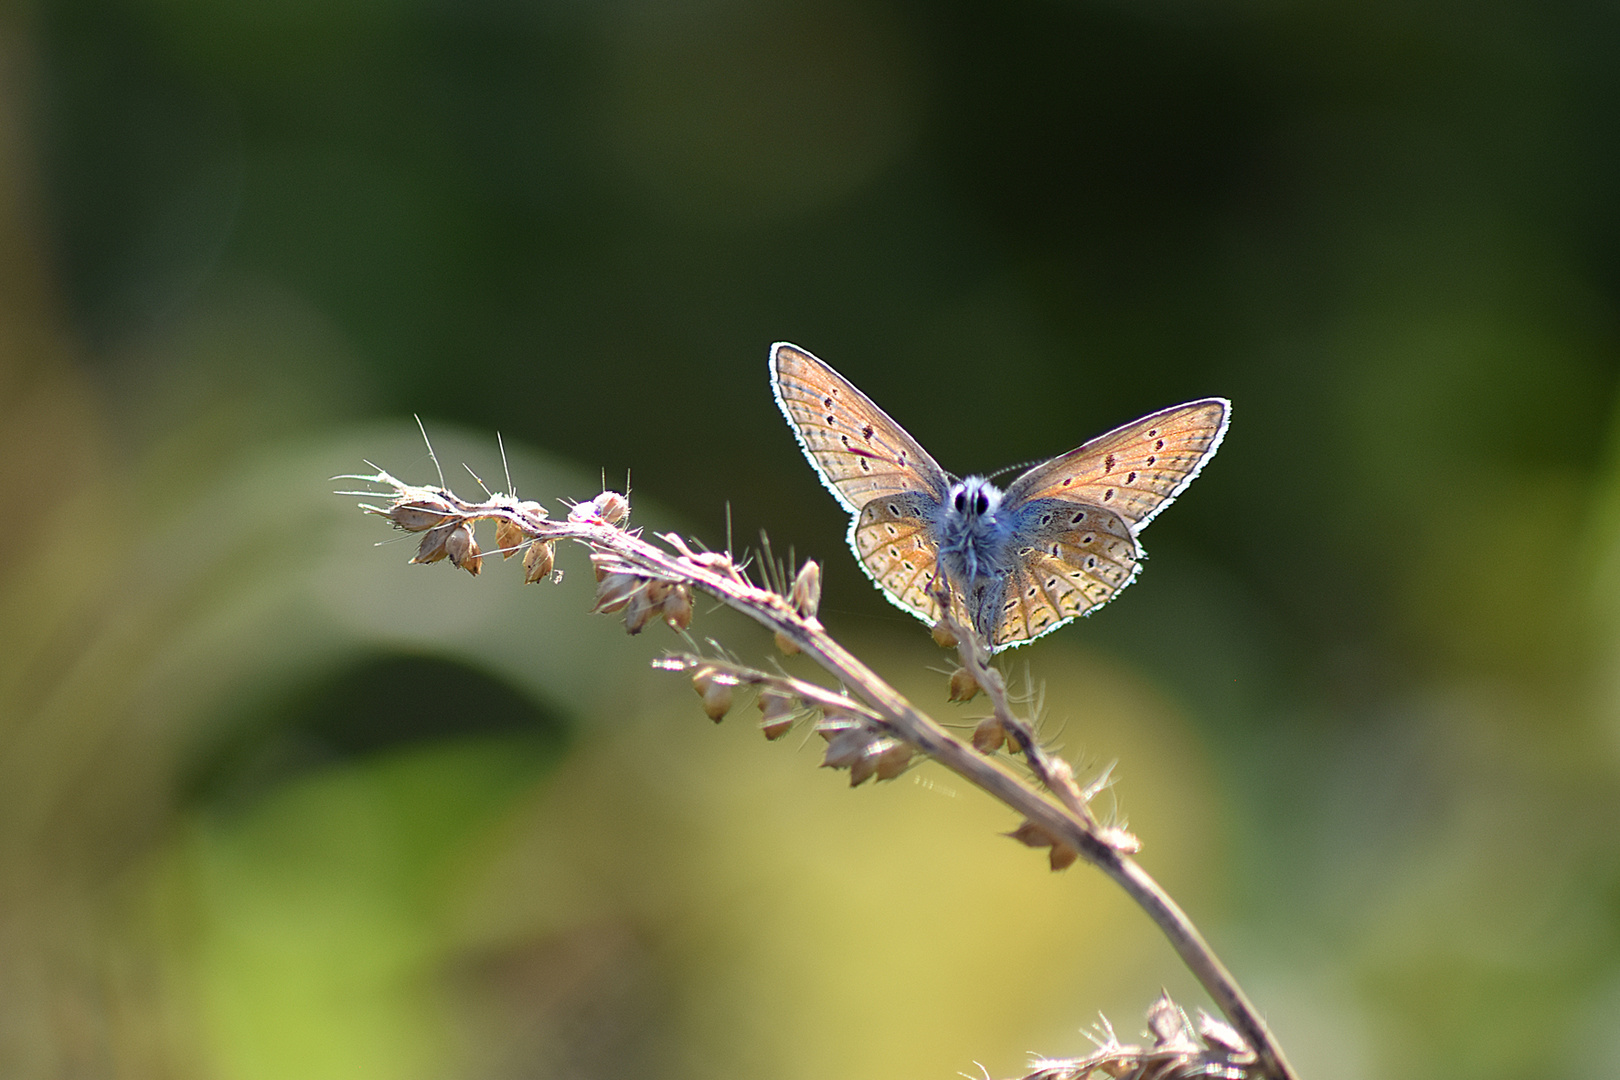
1058	543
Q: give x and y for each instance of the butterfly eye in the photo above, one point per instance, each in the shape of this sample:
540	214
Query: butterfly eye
981	504
960	502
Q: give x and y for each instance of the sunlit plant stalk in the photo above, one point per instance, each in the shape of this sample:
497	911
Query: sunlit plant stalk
872	730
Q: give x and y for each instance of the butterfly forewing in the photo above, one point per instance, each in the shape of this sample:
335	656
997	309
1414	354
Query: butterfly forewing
859	452
1135	470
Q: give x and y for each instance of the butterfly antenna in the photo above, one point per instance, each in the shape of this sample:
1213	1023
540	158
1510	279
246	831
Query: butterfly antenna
435	457
505	465
1005	469
728	527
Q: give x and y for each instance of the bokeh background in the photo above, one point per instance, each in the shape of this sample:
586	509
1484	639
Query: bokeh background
275	805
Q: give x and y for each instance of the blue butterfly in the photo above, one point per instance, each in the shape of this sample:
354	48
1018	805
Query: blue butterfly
1058	543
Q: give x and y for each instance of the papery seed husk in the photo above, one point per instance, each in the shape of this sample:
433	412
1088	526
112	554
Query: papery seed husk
431	549
678	608
775	729
807	589
774	704
538	560
615	591
1032	835
508	537
892	761
714	687
989	736
846	748
420	514
964	687
786	645
638	611
943	637
611	507
657	590
1062	856
717	700
862	769
532	509
462	547
603	563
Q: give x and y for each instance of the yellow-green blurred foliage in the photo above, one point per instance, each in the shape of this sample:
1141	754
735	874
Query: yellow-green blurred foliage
276	806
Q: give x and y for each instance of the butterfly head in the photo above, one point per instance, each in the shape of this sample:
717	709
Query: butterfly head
973	500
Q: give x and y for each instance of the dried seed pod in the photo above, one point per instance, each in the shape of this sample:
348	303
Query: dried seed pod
462	549
1031	834
807	589
714	687
508	537
989	736
432	547
943	636
863	768
677	607
777	711
530	508
893	759
639	609
774	703
845	748
538	560
611	507
602	564
1061	857
964	687
614	592
786	645
421	512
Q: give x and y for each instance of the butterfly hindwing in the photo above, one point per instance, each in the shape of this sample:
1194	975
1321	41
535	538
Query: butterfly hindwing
1073	558
859	452
891	538
1135	470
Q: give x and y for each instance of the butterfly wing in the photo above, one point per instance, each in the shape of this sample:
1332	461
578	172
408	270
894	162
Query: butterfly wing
892	542
1077	516
1136	470
1071	559
881	475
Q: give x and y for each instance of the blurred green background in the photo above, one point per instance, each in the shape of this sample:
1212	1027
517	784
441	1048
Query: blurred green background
274	804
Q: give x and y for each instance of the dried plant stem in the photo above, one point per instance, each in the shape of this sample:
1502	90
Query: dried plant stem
629	570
